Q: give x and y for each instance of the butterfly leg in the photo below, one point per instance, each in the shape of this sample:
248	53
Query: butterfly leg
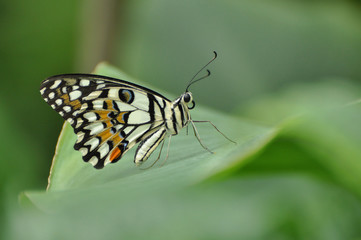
217	130
166	157
199	138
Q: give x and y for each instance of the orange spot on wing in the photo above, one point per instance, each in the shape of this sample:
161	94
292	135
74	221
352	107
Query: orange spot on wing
116	153
117	139
120	117
105	135
103	115
74	104
110	105
108	124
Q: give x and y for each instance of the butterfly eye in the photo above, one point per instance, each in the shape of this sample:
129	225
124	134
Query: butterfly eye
187	97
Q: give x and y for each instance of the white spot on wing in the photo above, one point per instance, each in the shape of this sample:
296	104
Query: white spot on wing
80	137
113	93
56	84
90	116
58	101
138	117
79	122
93	95
75	112
128	129
93	143
83	151
98	104
84	83
51	95
106	161
67	108
42	90
74	95
118	127
93	160
103	150
95	128
124	107
100	85
70	120
84	106
141	101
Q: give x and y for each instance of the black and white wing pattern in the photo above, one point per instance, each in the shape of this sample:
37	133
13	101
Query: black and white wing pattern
110	115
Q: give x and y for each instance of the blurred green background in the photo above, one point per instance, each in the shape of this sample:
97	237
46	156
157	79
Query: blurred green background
277	60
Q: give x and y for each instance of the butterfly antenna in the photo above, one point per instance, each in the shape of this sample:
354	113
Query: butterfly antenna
208	72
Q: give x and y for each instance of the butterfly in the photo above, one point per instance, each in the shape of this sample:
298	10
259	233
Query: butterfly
110	116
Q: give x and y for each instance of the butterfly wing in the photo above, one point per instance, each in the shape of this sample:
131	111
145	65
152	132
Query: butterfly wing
108	115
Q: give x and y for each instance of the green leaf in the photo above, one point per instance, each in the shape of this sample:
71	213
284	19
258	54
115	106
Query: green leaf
320	131
268	207
188	162
297	180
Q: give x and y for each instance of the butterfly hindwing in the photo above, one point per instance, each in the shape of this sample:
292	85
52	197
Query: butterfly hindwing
108	115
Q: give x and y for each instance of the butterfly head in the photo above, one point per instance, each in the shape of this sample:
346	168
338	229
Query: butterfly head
187	99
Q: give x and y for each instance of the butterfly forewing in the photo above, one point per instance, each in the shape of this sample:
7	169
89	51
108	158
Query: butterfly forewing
108	115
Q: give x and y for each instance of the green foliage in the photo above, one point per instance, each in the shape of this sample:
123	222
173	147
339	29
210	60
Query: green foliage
297	179
286	88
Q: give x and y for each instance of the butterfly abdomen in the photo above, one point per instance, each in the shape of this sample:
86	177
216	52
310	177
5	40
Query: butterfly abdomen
148	145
